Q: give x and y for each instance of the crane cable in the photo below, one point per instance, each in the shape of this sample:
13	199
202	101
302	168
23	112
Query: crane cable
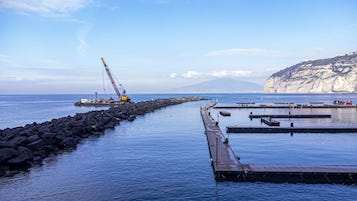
103	82
120	85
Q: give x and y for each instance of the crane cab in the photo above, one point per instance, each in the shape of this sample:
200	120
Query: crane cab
125	99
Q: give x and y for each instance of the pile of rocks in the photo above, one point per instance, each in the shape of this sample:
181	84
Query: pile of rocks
22	147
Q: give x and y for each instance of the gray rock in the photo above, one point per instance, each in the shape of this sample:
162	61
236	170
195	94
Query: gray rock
8	134
36	145
49	138
7	153
23	159
33	138
6	144
131	117
18	140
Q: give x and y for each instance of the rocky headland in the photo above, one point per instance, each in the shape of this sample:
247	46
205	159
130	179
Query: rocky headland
332	75
23	147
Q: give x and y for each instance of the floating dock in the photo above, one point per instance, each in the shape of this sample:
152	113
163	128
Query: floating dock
225	113
285	106
223	158
289	116
269	121
246	103
239	129
226	165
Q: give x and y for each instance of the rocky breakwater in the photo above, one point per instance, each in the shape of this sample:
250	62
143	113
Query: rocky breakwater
23	147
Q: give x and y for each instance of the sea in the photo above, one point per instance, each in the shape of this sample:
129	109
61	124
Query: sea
164	155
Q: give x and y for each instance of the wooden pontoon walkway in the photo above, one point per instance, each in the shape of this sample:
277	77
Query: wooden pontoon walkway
227	167
269	121
286	106
289	116
223	158
238	129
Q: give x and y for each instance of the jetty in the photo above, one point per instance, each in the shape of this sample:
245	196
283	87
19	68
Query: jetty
289	116
227	167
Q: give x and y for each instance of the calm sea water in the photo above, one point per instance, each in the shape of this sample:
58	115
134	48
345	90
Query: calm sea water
164	155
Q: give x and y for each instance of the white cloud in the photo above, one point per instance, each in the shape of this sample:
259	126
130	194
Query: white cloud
243	51
173	75
45	7
105	5
226	73
4	58
191	74
7	60
81	37
214	74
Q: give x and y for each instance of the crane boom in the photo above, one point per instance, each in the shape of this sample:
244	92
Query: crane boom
115	86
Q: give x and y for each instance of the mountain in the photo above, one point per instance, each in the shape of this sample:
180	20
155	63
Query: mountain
332	75
221	85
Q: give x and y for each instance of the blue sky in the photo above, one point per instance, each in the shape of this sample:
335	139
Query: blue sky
157	45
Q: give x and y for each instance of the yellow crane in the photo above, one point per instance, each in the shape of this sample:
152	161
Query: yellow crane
121	97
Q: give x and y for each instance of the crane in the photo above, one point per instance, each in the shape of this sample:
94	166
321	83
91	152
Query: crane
121	98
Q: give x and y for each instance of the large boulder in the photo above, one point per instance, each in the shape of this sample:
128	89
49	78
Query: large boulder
23	159
7	153
18	140
33	138
49	138
36	145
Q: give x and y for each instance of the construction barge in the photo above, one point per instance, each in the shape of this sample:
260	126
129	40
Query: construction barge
227	167
95	103
101	102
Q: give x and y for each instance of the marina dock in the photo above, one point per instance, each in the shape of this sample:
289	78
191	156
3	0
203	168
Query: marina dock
269	121
223	158
298	106
225	113
289	116
239	129
226	165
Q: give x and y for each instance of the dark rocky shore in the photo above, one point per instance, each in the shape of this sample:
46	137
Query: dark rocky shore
23	147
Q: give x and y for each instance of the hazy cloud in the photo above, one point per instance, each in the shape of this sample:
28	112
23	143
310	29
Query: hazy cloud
173	75
7	60
234	73
214	74
191	74
243	51
45	7
4	58
82	39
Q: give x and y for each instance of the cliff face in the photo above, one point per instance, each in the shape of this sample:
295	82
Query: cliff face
333	75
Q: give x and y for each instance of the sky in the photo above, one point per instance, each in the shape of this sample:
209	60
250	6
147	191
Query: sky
55	46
